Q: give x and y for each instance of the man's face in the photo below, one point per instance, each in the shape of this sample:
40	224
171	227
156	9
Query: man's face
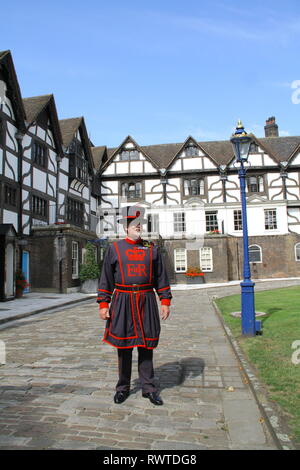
134	230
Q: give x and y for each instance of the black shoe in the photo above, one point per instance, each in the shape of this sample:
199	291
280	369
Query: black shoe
120	397
154	398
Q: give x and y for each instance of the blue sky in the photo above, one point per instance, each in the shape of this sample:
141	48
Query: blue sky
159	70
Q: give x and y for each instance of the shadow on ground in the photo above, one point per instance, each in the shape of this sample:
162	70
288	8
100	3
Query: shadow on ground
176	373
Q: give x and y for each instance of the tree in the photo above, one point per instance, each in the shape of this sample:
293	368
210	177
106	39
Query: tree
90	268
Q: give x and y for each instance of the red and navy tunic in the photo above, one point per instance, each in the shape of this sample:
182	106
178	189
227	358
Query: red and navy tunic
131	271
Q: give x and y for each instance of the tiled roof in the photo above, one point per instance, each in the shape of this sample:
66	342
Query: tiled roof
68	127
97	154
280	148
34	105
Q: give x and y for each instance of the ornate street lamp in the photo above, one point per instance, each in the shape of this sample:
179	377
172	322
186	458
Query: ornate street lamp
241	144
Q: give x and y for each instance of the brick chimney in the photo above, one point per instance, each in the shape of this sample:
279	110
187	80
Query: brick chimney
271	128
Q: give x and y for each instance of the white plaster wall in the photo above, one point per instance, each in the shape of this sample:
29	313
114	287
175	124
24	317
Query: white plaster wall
255	159
10	217
52	188
13	162
109	170
1	160
86	193
268	160
192	163
25	197
149	168
41	133
26	169
176	165
11	141
8	109
39	180
64	164
25	219
122	167
208	164
52	161
63	181
136	167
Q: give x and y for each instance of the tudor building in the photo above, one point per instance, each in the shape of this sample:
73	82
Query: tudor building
193	188
48	204
53	182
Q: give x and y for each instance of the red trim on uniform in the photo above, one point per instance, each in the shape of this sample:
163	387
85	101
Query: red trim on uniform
132	314
133	242
163	288
104	305
130	285
127	337
113	308
138	312
121	347
151	339
130	292
103	290
120	261
165	302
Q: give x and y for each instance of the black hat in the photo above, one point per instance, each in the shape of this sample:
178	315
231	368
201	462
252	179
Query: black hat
131	213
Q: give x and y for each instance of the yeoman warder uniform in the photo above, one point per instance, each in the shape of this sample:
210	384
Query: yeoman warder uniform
131	271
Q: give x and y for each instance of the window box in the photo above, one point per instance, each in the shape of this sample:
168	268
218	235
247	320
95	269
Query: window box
194	276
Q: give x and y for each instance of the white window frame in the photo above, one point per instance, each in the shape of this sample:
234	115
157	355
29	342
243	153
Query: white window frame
206	263
276	219
183	250
179	219
237	218
297	245
260	251
75	260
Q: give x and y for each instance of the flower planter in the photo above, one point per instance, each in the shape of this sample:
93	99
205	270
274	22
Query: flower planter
19	293
90	286
194	279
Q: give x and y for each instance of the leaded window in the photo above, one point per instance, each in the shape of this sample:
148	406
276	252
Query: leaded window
130	155
10	195
270	219
194	187
237	219
297	252
40	154
75	212
211	220
255	184
191	151
206	259
75	260
39	206
179	222
180	260
255	254
132	190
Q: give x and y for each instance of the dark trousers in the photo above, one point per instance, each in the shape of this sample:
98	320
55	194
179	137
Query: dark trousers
145	369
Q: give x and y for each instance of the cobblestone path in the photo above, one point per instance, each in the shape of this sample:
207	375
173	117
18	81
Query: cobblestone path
57	386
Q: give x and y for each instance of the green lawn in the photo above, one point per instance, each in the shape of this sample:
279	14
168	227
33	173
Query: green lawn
271	353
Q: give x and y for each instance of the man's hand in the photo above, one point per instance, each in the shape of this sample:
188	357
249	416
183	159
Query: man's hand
164	311
104	313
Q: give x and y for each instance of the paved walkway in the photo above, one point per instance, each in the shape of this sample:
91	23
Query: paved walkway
57	386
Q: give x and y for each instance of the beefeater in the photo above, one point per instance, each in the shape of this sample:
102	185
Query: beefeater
132	269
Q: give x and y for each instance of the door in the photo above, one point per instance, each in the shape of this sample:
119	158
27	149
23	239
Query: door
25	268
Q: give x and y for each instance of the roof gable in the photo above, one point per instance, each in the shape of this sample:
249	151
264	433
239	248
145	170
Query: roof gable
129	140
35	106
13	89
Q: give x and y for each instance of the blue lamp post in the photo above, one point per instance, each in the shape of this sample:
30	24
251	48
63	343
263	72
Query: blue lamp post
241	144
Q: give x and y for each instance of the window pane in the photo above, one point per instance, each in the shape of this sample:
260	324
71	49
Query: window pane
180	259
211	221
206	259
254	254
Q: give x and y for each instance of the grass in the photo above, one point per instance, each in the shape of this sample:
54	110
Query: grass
271	353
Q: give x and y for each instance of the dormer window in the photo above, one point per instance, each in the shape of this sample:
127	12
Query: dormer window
194	187
191	150
132	190
255	184
129	155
